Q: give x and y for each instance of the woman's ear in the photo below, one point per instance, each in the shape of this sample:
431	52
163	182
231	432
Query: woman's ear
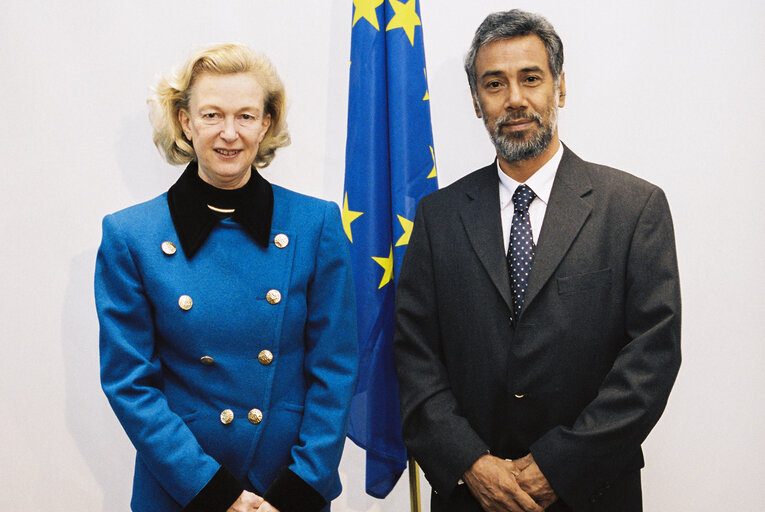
185	120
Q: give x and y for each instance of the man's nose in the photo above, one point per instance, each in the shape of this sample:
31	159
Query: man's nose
515	98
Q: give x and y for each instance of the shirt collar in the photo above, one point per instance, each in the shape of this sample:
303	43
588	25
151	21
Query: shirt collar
193	220
540	182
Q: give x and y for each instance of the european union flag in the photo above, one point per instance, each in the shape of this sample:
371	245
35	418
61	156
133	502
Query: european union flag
389	166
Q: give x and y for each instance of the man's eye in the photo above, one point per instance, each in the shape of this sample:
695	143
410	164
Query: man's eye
209	115
532	79
248	117
493	85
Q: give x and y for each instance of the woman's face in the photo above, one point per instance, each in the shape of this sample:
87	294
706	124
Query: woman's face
225	124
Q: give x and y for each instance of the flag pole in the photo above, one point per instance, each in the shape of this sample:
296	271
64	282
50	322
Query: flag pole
414	485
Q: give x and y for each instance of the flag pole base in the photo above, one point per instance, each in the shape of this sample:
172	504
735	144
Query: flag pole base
414	486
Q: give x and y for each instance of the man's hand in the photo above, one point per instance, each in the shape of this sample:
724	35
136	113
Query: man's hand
493	483
247	502
534	482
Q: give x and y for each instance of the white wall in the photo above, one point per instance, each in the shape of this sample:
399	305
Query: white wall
669	90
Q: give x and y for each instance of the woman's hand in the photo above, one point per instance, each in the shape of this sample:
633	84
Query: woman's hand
267	507
247	502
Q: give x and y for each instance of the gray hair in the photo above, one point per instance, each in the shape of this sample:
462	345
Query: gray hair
504	25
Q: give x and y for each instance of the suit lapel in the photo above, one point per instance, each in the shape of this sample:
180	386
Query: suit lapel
564	218
481	217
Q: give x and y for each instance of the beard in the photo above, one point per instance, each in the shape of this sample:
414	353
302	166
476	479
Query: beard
514	146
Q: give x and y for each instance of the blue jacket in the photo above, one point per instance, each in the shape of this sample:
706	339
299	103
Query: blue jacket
173	369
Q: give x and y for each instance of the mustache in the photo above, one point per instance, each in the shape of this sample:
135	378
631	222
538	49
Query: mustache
510	117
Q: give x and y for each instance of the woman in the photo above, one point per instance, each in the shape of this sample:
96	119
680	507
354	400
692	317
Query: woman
228	345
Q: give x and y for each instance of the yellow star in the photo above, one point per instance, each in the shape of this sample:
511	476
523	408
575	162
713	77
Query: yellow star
433	156
407	225
387	265
405	18
348	217
366	9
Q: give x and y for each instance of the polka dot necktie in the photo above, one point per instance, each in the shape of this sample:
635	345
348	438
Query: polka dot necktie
521	251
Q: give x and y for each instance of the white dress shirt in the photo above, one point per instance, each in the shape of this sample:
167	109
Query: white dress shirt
541	183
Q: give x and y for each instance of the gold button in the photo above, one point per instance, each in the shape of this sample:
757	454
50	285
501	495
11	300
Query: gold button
255	416
265	357
207	360
168	248
226	416
273	297
185	302
281	240
520	396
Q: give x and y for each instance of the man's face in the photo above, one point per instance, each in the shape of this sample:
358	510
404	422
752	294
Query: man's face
517	97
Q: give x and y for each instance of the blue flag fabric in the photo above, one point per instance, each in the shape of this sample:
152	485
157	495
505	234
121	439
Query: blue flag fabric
389	166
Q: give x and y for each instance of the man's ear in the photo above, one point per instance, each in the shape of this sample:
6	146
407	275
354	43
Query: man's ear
562	90
476	106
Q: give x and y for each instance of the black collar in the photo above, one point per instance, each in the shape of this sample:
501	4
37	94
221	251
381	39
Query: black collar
193	220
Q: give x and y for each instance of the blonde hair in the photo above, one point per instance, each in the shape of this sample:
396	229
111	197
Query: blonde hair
172	93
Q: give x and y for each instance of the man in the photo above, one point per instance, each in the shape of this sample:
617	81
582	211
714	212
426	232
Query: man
538	306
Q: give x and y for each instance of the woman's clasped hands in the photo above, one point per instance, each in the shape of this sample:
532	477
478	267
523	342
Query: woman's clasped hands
251	502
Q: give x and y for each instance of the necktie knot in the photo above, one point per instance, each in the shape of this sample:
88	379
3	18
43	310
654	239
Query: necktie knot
522	198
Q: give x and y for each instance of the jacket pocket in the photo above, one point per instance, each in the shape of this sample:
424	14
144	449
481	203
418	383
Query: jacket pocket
189	416
290	406
582	282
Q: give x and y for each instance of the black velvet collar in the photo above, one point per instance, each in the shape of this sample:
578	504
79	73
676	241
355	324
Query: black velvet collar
193	220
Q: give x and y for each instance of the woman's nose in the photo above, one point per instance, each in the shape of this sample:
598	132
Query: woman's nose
228	133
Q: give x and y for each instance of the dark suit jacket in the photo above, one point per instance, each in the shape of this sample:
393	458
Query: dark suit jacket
582	376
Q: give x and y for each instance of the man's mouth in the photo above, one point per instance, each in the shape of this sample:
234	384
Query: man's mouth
518	124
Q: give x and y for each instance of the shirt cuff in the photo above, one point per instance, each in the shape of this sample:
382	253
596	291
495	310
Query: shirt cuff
218	495
289	493
461	481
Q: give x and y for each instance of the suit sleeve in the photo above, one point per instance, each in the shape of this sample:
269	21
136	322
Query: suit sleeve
131	377
441	440
580	460
331	368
